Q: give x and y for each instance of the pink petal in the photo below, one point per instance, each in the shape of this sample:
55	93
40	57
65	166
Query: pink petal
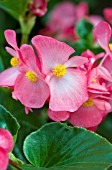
51	52
3	159
68	92
97	88
8	77
86	117
107	63
92	128
27	110
6	140
31	94
12	52
100	55
29	57
58	116
103	72
95	19
102	105
76	61
103	33
82	10
10	36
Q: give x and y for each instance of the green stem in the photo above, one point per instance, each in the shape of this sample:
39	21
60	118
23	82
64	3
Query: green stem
24	38
14	164
26	23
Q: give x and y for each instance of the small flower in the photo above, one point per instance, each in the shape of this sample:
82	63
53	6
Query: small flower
30	87
8	76
6	144
68	85
38	7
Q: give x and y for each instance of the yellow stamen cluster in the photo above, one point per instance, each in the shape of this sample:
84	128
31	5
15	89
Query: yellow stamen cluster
88	103
110	45
31	76
59	70
14	62
95	80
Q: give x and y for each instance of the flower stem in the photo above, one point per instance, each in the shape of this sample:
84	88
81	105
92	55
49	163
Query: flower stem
26	23
24	39
14	164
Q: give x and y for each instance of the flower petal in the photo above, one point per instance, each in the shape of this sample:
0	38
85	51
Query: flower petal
58	116
3	159
68	92
31	94
76	61
12	52
51	52
104	73
8	77
29	57
102	105
6	140
103	33
10	36
86	117
107	63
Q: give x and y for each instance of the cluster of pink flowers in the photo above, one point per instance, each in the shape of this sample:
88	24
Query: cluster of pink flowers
78	88
6	144
63	19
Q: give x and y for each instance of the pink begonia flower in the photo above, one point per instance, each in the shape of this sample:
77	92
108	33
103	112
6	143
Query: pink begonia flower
108	14
63	16
67	84
8	76
6	145
60	25
30	87
38	7
97	80
89	115
102	32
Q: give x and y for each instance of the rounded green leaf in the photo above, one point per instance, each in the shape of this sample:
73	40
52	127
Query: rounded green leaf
7	121
58	146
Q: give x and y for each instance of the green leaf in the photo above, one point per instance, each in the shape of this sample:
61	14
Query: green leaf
15	8
30	167
7	121
57	146
84	29
1	65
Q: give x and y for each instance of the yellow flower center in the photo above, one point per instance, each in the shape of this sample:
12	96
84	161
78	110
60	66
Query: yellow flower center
59	70
110	45
88	103
95	80
31	76
14	62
